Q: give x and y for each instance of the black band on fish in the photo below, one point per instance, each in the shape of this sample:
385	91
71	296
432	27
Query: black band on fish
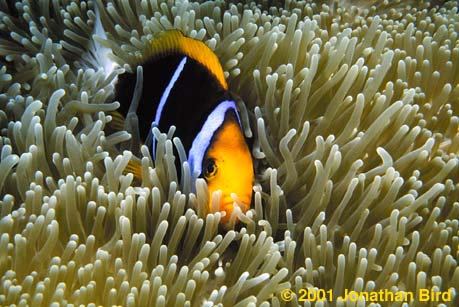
164	99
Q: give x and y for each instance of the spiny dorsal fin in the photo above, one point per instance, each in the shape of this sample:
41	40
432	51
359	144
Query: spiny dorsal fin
173	41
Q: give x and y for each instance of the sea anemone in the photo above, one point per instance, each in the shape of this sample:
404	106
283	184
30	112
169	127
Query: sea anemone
353	108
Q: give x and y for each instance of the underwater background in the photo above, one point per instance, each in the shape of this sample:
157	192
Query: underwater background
353	107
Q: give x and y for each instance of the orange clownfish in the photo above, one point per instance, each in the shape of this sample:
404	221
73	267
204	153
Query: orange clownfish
184	86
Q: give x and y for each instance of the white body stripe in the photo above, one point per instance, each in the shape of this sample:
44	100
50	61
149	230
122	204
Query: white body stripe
168	89
164	97
202	140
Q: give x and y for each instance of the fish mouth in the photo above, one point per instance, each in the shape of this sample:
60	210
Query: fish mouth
229	202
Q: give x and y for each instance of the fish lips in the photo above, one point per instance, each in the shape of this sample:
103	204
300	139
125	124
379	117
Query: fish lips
228	203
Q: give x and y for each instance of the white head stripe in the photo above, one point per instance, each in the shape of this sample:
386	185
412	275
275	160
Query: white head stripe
163	100
202	140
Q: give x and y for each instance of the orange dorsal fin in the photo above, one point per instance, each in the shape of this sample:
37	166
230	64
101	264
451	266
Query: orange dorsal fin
173	41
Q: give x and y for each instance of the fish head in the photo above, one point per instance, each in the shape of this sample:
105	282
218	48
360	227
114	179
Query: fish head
228	167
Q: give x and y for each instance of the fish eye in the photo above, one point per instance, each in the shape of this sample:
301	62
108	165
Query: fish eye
210	168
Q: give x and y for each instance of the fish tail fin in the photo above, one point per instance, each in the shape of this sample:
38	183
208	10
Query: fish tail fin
97	55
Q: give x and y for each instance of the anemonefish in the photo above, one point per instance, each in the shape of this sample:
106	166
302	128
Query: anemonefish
184	85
